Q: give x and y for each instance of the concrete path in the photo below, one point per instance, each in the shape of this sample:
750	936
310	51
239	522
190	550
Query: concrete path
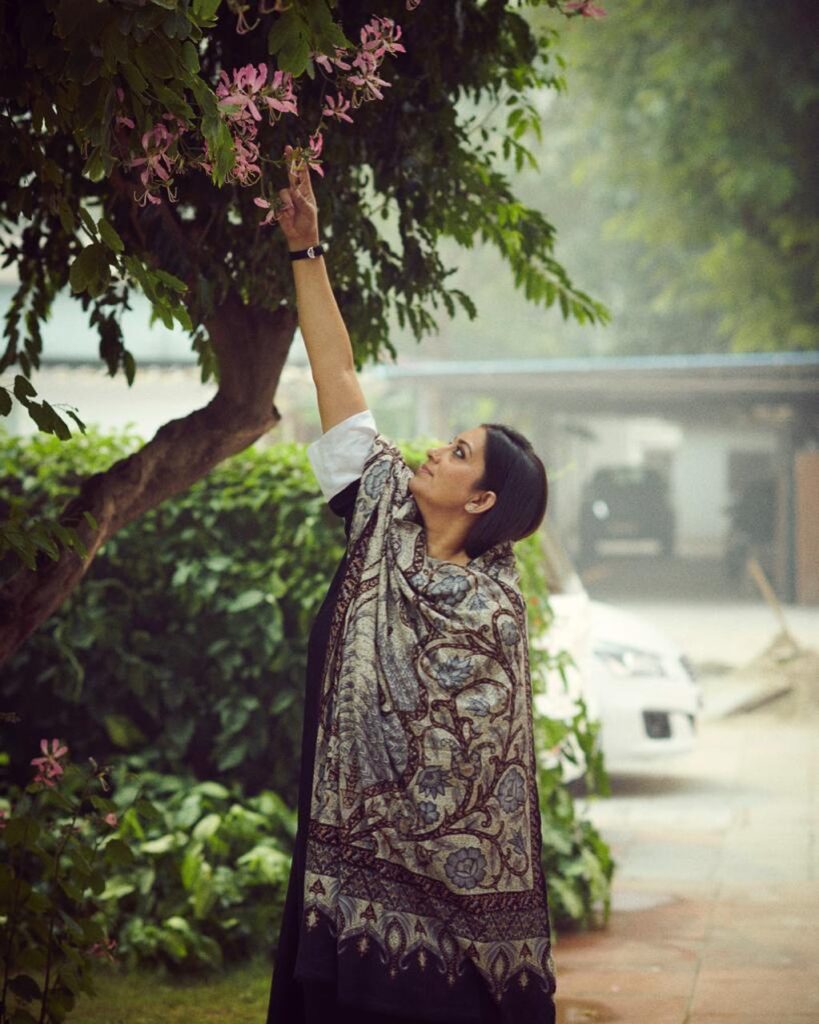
715	915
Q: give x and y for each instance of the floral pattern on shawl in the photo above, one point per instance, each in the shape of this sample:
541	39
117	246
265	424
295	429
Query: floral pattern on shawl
424	788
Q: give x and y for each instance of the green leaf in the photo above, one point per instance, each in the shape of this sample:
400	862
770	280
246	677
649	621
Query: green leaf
246	600
119	853
77	420
90	270
176	283
23	388
123	732
129	365
135	78
161	845
21	1016
94	167
205	828
58	424
88	222
190	57
205	10
109	236
25	987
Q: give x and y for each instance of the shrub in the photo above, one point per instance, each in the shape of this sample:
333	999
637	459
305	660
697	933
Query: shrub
184	651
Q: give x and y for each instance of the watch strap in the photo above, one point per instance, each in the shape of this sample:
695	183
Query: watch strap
312	252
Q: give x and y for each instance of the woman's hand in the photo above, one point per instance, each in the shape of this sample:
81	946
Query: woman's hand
298	214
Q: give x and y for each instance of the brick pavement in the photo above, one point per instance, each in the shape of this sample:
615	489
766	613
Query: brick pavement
715	915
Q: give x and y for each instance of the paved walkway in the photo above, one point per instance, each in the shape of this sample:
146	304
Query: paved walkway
715	915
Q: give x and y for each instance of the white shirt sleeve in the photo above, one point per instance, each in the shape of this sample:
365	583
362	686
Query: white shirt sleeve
339	454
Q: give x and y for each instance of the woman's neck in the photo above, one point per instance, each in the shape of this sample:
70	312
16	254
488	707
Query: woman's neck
446	539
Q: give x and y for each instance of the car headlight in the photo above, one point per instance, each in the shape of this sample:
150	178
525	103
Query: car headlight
629	661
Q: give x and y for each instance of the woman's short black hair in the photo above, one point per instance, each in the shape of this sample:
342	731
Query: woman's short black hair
518	478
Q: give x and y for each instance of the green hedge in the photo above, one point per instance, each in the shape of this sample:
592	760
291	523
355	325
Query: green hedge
187	639
183	653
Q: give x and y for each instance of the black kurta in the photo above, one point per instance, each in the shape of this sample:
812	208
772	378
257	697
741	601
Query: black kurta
286	1001
429	997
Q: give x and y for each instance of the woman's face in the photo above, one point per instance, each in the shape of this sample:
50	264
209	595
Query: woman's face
448	479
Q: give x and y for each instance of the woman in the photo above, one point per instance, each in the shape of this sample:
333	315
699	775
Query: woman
416	891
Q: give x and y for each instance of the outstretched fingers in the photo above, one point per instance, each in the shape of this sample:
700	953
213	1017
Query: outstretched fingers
300	183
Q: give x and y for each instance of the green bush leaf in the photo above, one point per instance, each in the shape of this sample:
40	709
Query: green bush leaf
25	987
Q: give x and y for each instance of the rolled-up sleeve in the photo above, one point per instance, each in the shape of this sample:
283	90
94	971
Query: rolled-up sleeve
339	454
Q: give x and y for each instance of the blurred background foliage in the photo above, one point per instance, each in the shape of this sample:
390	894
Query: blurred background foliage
181	660
678	167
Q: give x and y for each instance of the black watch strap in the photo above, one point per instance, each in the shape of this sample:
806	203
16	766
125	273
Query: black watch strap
310	253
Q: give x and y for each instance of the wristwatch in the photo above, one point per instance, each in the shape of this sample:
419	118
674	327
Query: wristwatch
310	253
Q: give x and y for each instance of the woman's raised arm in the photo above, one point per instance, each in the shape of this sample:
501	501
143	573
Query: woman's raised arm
322	327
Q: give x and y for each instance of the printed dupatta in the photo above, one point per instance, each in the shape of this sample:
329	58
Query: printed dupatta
424	836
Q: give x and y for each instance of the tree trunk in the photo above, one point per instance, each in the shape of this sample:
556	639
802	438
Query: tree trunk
251	346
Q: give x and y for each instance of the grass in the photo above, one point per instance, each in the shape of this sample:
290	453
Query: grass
238	996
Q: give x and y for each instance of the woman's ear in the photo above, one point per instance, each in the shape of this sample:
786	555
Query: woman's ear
481	502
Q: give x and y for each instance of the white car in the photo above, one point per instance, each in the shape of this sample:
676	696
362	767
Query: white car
634	679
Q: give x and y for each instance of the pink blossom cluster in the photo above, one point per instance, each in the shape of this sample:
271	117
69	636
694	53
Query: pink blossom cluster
155	161
49	766
245	94
379	37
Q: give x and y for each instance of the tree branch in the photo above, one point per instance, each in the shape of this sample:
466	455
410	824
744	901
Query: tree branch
251	346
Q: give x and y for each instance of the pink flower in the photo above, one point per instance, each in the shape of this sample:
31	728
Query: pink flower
245	170
265	205
314	152
585	8
48	766
157	164
368	85
279	97
111	819
105	951
380	36
240	99
412	4
328	63
337	108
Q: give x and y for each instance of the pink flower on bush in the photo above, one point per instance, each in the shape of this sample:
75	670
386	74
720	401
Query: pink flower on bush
585	8
111	819
104	950
49	767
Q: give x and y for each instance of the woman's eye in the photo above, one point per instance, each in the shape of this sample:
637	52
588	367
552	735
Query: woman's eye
459	451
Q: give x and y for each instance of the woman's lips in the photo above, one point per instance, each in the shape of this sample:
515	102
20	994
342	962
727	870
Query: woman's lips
424	469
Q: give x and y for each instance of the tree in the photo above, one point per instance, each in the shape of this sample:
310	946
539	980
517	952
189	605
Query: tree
691	128
135	156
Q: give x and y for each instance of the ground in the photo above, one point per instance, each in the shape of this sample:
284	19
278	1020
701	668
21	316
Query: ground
716	891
